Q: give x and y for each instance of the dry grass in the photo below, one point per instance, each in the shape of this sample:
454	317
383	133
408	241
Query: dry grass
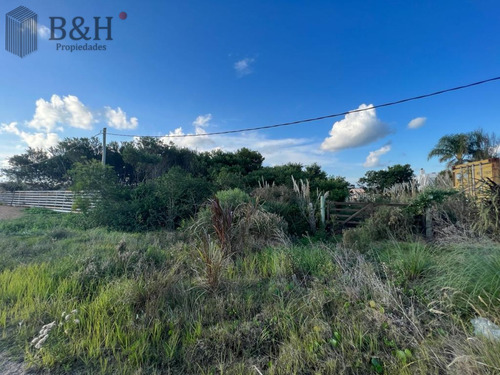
8	212
142	301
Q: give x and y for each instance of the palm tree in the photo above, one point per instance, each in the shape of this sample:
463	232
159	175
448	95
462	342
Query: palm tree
482	145
459	148
453	148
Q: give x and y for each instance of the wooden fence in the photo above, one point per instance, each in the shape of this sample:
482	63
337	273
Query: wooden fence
353	213
346	213
60	200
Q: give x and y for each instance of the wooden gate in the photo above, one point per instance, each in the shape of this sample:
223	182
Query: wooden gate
351	214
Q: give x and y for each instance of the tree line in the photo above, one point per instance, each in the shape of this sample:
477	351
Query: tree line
148	183
149	158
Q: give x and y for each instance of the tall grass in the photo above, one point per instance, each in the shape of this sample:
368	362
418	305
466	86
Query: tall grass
468	274
398	308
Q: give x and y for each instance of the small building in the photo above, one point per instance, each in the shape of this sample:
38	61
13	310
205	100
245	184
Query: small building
470	177
425	179
356	194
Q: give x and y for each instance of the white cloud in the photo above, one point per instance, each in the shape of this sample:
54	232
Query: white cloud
4	161
43	31
288	150
373	158
495	150
40	140
356	129
79	116
275	151
198	142
203	120
67	110
117	119
33	140
10	128
417	122
51	117
244	67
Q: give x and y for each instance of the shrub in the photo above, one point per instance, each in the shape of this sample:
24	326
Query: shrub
409	261
454	219
164	202
460	217
160	203
283	201
256	228
100	197
248	227
214	262
232	198
430	197
467	275
12	186
489	210
386	223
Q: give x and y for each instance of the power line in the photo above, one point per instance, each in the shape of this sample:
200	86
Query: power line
317	118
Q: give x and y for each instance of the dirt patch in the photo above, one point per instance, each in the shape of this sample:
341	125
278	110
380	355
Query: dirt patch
10	368
8	212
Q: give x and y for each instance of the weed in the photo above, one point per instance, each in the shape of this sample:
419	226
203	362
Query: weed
270	308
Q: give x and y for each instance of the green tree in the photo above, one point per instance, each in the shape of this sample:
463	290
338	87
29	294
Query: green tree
101	197
167	200
92	177
380	180
47	169
451	148
243	161
463	147
337	188
278	174
482	145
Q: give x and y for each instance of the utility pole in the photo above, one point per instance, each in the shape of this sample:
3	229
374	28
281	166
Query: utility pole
103	146
323	209
428	223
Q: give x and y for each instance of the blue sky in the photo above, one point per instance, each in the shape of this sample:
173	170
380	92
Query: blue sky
177	67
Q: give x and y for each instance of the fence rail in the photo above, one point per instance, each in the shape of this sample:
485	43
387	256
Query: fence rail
353	213
60	201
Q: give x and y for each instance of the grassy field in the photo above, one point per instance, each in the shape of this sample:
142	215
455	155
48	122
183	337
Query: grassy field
147	303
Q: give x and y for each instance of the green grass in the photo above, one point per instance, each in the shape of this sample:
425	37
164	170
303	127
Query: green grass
469	274
315	308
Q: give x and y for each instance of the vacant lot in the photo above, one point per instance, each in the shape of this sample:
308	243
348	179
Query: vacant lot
137	303
7	212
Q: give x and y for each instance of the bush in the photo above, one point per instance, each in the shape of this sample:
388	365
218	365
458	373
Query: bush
164	202
409	261
160	203
256	228
430	197
489	210
454	219
232	198
467	274
386	223
248	227
461	217
284	202
12	186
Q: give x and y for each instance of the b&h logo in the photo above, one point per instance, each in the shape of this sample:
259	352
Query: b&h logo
21	31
